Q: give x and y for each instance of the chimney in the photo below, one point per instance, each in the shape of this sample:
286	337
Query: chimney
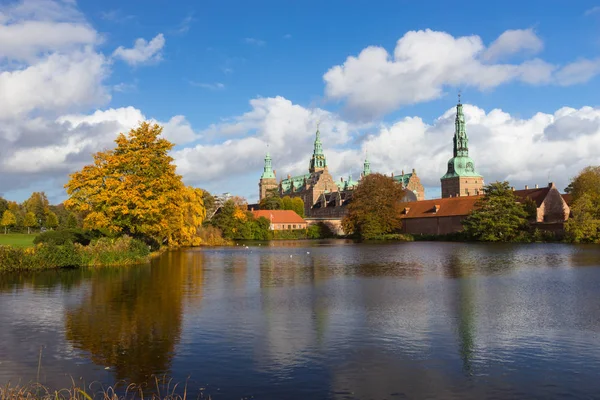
414	172
289	176
526	187
513	188
551	185
436	208
536	186
406	210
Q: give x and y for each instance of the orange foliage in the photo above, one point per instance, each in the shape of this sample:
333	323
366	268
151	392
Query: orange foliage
134	189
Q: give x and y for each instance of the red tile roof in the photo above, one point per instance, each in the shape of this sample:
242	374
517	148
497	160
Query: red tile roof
537	195
279	216
448	207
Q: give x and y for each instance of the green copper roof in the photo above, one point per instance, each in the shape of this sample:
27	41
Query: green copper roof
402	178
295	182
317	160
268	169
461	165
347	184
366	167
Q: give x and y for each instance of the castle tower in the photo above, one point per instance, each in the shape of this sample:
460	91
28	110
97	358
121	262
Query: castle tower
267	179
317	161
366	167
461	179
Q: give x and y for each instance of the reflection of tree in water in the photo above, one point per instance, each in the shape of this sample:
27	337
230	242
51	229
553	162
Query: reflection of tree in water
131	319
67	279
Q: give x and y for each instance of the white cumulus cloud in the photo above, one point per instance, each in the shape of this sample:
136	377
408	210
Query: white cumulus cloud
513	41
426	62
142	51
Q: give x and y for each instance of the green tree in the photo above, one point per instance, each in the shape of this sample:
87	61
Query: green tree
260	229
210	203
8	220
286	203
3	205
71	221
271	201
531	209
30	221
584	225
497	217
298	206
51	220
37	204
375	208
225	220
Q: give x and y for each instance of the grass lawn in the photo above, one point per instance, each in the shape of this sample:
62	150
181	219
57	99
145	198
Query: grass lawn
17	239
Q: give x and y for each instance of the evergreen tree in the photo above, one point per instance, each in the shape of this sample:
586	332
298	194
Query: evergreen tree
375	207
8	220
497	217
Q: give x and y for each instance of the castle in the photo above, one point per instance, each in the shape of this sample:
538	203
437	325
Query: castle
461	179
323	196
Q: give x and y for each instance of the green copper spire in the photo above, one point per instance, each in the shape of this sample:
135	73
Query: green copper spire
460	165
366	166
461	141
268	170
317	161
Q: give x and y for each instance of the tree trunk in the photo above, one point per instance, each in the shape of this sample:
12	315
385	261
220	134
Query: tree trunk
28	230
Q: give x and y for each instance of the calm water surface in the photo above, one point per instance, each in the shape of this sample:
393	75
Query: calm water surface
319	320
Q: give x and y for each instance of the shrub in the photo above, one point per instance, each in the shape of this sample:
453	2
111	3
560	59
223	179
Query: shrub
394	236
319	230
211	236
105	251
290	234
61	237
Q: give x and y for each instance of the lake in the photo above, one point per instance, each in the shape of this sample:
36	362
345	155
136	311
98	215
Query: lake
318	320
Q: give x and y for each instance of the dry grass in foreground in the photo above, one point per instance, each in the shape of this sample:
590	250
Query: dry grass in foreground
164	389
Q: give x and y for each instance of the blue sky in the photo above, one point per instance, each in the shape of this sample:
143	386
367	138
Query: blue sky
211	59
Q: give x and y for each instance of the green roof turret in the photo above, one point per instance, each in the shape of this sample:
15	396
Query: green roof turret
268	169
366	166
317	161
461	141
460	165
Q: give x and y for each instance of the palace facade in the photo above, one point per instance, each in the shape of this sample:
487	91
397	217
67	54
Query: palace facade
323	196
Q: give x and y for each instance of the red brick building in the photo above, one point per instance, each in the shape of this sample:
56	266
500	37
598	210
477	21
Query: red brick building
443	216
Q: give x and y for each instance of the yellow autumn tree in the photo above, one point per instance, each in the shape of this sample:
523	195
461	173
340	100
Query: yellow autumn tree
134	189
